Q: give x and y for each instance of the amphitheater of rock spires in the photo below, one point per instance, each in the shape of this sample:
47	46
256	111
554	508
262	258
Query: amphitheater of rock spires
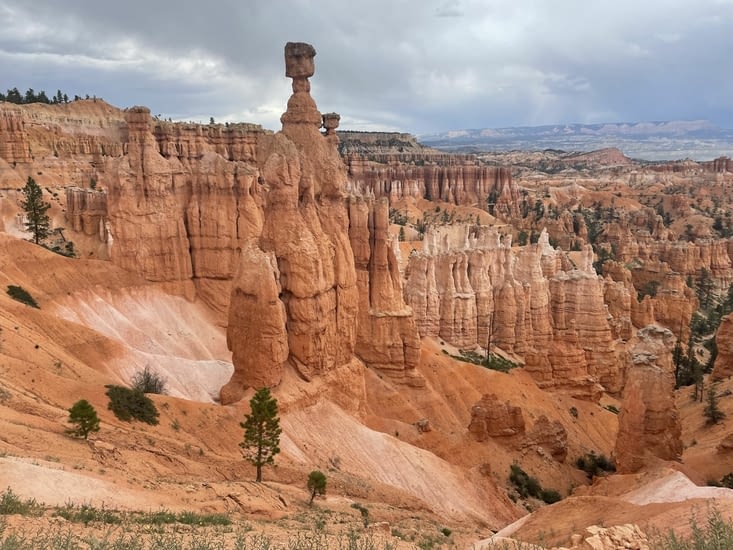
361	276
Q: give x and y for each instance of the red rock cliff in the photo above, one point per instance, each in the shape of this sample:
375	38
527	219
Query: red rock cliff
470	287
649	423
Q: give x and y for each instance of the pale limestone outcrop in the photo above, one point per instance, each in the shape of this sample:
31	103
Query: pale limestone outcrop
649	423
724	339
628	537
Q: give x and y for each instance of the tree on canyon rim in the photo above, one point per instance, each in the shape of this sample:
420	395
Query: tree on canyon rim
37	221
261	431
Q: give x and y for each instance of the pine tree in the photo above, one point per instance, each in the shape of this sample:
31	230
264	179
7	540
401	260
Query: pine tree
13	96
712	411
261	431
84	418
37	221
316	484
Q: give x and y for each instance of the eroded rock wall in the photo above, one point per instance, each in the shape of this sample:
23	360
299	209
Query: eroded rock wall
461	182
723	367
471	288
258	225
649	423
387	334
14	146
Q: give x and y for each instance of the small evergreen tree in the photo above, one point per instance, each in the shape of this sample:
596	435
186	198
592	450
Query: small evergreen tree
261	431
705	289
316	484
712	411
37	221
84	418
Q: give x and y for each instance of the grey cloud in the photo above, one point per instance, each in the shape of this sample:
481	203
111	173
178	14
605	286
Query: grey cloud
413	65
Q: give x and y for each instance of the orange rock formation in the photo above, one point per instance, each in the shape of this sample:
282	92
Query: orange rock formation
649	423
724	338
470	288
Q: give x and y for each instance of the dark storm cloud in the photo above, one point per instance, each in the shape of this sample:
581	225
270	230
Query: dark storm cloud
414	65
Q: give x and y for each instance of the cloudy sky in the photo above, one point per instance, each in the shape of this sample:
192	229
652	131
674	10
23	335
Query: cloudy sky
412	65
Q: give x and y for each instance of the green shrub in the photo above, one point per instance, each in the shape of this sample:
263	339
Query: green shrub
523	482
10	503
493	362
714	534
193	518
148	381
528	486
86	514
550	496
20	294
130	403
594	465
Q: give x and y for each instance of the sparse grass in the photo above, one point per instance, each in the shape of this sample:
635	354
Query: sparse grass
714	534
10	503
127	537
193	518
86	514
493	362
364	512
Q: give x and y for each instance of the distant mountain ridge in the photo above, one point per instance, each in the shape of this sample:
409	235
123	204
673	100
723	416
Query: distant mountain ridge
655	140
